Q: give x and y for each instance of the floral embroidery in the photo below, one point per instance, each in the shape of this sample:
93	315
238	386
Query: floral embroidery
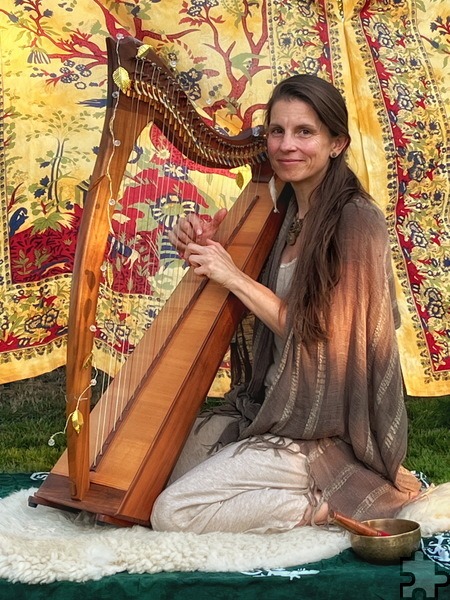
387	58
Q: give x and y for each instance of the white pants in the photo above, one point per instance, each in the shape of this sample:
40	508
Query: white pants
255	490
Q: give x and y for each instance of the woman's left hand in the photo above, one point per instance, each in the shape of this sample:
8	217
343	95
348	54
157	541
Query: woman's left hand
213	261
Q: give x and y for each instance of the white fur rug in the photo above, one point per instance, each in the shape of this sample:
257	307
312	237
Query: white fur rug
41	545
431	509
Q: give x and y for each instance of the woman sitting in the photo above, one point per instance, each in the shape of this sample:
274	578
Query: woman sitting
320	422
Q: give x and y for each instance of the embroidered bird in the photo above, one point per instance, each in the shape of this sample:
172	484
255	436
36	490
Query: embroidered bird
17	219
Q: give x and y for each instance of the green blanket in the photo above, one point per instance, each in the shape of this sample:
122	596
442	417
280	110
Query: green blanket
342	577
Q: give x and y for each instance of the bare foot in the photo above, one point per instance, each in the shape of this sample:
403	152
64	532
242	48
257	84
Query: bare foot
315	516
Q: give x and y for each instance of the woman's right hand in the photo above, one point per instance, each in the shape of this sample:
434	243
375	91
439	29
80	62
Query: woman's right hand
194	229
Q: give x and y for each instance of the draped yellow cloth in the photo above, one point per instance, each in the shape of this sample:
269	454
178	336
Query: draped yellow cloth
388	57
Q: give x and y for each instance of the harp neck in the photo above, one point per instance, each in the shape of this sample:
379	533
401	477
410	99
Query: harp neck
139	74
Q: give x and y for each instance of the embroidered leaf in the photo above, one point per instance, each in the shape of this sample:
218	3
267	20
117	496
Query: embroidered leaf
52	221
242	62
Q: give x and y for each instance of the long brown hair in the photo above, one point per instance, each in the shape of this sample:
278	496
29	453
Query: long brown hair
319	268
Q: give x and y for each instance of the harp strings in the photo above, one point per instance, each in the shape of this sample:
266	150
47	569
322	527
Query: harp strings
159	207
113	405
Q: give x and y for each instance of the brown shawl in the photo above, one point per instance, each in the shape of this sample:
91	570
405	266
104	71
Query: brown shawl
342	399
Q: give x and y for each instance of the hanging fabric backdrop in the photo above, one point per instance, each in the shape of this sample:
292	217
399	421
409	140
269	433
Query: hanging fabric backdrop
388	57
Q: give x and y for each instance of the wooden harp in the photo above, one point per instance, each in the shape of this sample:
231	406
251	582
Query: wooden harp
167	380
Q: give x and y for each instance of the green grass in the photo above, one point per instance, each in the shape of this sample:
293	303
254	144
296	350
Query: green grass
34	409
30	412
429	437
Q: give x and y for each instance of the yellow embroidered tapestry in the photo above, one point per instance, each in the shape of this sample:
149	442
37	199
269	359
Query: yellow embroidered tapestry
388	57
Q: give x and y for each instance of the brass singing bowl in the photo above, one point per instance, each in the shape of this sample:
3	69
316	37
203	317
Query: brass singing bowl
403	541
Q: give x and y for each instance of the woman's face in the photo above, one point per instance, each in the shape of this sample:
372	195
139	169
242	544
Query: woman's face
299	145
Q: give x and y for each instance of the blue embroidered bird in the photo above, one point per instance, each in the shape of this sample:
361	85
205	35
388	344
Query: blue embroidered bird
17	219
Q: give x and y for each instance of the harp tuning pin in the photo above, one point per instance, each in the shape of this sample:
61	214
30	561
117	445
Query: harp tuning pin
93	328
111	202
117	142
115	94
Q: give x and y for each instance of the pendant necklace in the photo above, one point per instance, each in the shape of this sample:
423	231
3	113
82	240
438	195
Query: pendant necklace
294	231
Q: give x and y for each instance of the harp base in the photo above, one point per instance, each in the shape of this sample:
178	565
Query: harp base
55	493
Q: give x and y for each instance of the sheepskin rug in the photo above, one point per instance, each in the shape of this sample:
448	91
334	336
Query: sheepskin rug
431	509
41	545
